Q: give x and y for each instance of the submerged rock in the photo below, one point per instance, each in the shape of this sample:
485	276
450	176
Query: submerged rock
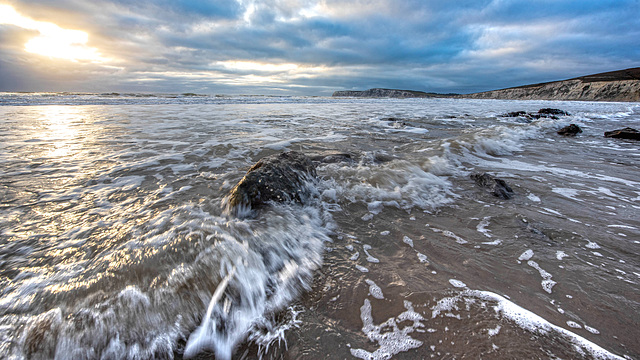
280	177
542	113
550	111
570	130
497	187
626	133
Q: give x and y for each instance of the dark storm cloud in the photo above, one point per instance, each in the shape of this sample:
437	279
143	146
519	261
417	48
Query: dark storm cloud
444	46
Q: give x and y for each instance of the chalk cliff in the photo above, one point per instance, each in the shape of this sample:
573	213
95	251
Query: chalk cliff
622	85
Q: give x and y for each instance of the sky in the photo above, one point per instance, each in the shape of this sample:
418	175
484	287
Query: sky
304	47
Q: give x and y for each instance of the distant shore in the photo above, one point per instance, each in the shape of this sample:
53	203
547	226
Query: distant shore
621	85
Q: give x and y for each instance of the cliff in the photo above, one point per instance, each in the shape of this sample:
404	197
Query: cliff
622	85
389	93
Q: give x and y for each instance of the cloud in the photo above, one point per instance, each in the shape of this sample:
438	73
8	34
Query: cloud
315	47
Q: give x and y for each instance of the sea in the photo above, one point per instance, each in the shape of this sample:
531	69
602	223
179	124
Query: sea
115	242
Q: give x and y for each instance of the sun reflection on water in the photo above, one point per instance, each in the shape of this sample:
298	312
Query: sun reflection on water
59	130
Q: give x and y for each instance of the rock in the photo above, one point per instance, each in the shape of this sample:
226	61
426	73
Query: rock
550	111
497	187
542	113
280	177
570	130
626	133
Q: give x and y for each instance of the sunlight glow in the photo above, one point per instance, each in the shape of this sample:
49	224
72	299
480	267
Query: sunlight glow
53	41
253	72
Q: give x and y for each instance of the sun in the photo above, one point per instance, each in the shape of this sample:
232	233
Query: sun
53	41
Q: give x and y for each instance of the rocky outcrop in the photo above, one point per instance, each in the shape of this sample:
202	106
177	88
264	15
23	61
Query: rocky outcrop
497	187
551	111
623	85
388	93
280	177
626	133
571	130
542	113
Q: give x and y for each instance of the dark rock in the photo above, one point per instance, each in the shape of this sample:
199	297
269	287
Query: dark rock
626	133
550	111
280	177
497	187
570	130
542	113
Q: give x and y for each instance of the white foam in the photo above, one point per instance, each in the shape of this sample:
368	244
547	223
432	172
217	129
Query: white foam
457	238
482	226
533	198
547	283
330	194
494	242
407	240
592	245
511	164
444	304
527	255
554	212
374	289
367	217
390	338
622	226
396	183
561	255
494	332
266	334
370	258
294	240
457	283
422	257
592	330
200	338
536	324
574	325
441	166
375	207
567	192
607	192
